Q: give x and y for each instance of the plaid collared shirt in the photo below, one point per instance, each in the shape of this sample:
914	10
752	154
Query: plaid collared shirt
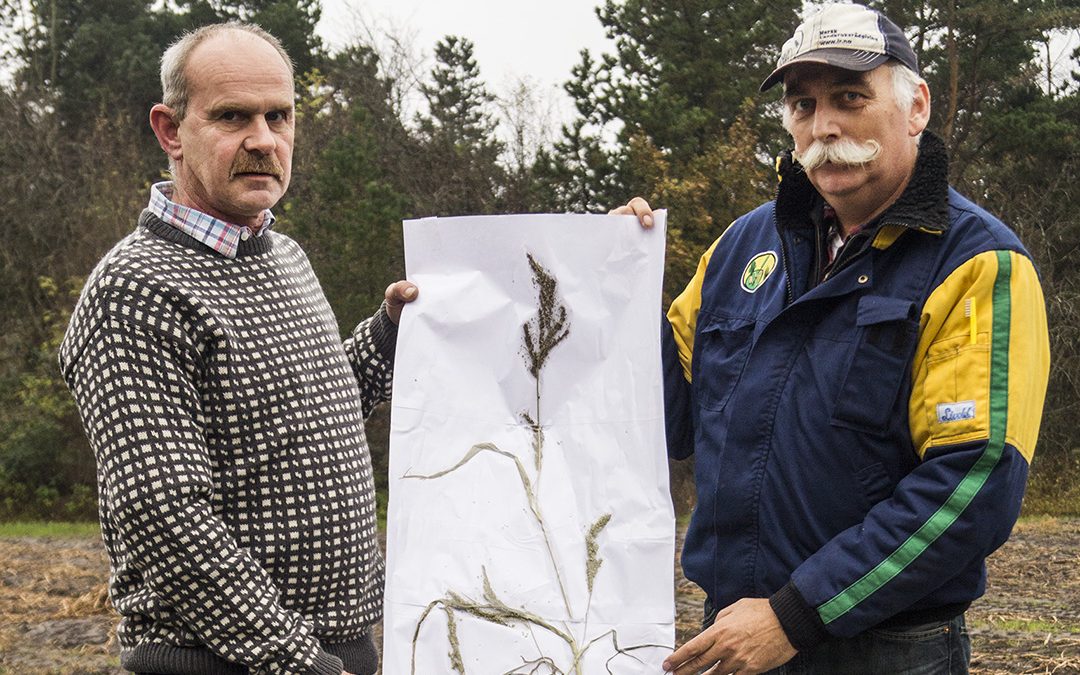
219	235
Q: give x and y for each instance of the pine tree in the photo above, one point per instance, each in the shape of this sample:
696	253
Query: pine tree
458	136
292	22
679	77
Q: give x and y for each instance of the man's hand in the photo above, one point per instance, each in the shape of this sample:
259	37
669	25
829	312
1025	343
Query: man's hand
746	638
635	207
397	294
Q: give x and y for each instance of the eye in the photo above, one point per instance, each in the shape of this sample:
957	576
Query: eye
802	106
852	97
229	116
277	116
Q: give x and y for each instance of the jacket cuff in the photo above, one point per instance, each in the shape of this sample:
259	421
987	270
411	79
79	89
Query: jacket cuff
801	623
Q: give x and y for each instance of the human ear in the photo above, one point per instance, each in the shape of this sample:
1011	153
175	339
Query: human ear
919	116
167	129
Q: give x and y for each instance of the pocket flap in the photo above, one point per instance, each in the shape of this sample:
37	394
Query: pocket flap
710	323
879	309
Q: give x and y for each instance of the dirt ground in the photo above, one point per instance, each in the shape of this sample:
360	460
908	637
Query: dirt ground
55	618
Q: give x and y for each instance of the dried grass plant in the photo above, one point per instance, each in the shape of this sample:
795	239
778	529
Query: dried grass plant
540	336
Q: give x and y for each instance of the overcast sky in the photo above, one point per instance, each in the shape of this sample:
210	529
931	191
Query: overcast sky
538	40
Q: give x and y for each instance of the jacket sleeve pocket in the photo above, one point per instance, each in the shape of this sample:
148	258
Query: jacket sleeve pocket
721	349
886	332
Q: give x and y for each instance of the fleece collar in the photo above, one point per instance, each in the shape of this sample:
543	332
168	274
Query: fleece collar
923	206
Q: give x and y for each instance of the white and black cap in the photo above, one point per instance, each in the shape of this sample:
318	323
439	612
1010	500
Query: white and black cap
851	37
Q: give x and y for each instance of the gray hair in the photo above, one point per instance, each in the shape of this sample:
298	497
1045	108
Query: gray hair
905	82
175	87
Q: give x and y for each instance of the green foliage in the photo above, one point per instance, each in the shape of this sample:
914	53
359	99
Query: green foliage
292	22
351	222
101	58
705	194
678	80
458	136
681	71
45	469
70	51
980	60
672	114
343	207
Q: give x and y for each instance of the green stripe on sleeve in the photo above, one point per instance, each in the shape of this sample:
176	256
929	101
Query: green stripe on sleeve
970	485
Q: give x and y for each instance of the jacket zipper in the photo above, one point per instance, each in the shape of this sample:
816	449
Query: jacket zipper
790	292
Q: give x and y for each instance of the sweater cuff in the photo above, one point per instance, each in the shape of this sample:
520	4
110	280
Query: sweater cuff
383	333
801	623
326	664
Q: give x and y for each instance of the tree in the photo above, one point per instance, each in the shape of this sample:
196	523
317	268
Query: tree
293	22
458	136
60	196
69	58
708	192
679	76
93	58
344	205
686	68
980	60
581	171
525	114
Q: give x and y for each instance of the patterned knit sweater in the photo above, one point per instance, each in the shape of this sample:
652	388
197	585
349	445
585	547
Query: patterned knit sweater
235	486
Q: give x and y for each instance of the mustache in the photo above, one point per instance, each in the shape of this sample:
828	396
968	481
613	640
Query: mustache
246	162
845	151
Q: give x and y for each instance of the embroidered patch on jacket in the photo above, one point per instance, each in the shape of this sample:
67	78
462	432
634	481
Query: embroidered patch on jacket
955	412
758	270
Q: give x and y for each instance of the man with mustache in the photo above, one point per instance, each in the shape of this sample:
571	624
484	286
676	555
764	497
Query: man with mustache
225	412
859	369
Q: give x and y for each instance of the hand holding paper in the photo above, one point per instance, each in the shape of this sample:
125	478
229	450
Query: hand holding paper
397	295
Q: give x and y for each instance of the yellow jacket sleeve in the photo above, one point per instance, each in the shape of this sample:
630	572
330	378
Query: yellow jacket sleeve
983	356
682	315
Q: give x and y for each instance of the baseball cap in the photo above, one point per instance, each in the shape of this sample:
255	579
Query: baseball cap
851	37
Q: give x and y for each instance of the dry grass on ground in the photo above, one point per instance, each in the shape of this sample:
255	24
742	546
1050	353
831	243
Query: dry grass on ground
54	616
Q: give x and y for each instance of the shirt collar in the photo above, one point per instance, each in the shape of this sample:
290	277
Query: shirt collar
222	236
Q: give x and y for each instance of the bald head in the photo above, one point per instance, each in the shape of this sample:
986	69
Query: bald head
176	80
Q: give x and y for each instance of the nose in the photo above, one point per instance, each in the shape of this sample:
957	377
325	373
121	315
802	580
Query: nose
260	138
826	124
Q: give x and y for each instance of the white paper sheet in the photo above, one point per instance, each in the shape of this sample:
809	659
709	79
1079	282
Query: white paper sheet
463	391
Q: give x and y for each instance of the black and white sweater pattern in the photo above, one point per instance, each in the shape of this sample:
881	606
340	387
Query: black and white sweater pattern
226	415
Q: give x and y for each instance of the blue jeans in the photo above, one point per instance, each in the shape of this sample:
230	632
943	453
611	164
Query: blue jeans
938	648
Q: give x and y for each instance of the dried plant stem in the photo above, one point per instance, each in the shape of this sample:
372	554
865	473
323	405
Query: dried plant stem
535	665
530	495
538	435
491	609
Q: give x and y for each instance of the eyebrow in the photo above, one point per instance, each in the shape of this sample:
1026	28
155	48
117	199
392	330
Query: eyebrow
841	79
236	106
850	77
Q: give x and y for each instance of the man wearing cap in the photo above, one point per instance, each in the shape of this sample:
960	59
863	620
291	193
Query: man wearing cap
859	368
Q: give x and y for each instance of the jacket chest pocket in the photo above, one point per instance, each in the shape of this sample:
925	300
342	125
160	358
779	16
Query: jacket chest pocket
720	353
886	332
